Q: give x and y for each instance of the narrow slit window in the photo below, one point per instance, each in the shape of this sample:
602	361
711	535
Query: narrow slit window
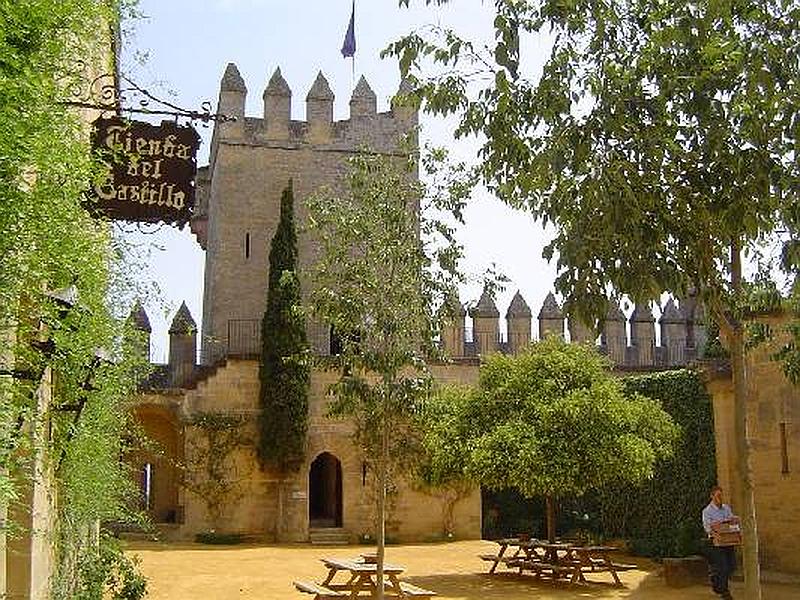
363	474
247	245
784	450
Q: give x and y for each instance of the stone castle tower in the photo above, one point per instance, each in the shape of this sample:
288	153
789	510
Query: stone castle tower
251	161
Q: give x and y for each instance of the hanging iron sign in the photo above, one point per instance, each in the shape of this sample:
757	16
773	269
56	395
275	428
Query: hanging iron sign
151	170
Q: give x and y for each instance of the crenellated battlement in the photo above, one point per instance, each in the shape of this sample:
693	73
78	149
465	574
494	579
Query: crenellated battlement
628	342
366	127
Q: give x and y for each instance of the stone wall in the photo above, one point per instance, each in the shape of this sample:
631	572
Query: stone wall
772	416
28	554
630	342
262	505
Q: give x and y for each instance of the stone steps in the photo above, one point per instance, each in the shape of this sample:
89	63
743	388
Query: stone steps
329	536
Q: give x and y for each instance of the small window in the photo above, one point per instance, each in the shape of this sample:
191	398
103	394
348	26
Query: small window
247	245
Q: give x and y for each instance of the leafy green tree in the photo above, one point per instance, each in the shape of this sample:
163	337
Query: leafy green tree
440	468
385	266
284	370
553	422
50	242
660	140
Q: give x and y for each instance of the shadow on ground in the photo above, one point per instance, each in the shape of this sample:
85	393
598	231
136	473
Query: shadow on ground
483	586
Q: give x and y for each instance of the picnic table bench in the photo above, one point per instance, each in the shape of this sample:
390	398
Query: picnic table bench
596	559
556	560
360	581
320	591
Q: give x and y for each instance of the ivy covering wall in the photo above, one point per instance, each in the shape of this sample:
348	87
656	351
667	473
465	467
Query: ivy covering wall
661	517
48	242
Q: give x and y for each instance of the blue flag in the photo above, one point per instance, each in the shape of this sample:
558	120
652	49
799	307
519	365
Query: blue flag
349	45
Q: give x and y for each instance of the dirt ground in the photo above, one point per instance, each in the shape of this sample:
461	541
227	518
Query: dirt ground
453	570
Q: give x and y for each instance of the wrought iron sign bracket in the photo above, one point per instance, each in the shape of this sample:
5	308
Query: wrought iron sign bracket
112	96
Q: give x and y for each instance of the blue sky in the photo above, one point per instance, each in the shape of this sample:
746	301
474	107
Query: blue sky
186	45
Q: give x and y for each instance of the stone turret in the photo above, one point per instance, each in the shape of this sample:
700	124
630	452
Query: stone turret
182	346
139	320
518	318
551	318
319	110
453	330
614	339
580	332
673	333
363	102
237	194
232	97
485	324
643	336
277	107
699	331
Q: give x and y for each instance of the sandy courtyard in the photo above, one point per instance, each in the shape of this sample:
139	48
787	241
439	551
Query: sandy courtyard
194	571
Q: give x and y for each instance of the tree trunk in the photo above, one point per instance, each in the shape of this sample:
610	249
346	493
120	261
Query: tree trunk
551	518
382	505
279	526
741	458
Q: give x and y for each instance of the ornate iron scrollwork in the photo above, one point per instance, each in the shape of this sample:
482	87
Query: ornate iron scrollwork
112	95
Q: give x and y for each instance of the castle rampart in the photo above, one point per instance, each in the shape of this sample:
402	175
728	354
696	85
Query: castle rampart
681	328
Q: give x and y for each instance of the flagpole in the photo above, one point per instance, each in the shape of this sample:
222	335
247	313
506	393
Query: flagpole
353	64
349	45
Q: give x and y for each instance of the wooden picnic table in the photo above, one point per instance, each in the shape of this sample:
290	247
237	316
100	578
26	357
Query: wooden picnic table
357	578
361	576
556	560
595	559
525	549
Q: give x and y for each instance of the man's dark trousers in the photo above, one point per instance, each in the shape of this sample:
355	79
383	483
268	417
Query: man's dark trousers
721	564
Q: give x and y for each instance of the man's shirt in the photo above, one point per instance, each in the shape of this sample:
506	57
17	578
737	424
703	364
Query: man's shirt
715	514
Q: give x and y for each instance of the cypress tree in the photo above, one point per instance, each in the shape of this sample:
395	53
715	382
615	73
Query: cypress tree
284	371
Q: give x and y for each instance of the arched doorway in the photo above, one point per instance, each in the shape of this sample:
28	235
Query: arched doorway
325	492
154	466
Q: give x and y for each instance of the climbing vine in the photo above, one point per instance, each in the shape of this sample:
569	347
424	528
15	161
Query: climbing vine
62	413
211	472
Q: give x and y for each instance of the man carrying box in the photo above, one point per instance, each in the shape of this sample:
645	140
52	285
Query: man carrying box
723	531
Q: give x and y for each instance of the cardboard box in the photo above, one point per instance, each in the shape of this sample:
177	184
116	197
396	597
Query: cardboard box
726	534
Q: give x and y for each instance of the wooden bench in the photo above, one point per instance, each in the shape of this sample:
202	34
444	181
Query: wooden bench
553	569
321	592
412	591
